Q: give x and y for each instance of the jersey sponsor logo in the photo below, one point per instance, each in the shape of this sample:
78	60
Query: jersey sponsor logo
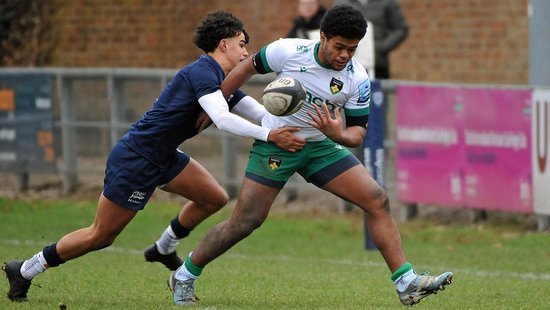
302	48
336	86
350	68
318	101
303	69
364	92
274	162
137	197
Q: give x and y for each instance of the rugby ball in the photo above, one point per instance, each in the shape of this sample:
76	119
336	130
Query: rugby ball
284	96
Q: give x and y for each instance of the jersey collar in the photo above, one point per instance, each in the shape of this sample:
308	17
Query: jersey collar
316	55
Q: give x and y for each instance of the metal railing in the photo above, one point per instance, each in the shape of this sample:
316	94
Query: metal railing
113	80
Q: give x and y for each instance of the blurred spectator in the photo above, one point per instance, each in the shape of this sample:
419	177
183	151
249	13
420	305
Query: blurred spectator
311	13
390	29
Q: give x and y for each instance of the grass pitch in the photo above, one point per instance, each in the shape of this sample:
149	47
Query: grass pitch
291	262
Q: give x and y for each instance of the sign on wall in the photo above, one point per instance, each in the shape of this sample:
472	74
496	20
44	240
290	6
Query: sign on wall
465	147
26	123
497	145
429	149
373	145
541	151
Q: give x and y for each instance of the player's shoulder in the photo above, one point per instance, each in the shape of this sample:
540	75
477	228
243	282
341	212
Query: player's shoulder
205	67
356	68
356	71
292	45
204	62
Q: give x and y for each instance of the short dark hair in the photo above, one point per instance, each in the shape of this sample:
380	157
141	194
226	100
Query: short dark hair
344	21
216	27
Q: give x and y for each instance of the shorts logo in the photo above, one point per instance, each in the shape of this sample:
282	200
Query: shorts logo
274	162
336	86
137	197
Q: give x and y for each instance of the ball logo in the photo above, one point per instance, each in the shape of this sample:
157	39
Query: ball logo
281	82
284	96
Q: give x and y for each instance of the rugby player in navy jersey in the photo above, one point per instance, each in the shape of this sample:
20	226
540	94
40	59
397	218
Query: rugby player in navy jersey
147	157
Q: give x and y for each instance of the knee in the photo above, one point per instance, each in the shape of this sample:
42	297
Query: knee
380	203
100	240
222	199
245	226
215	201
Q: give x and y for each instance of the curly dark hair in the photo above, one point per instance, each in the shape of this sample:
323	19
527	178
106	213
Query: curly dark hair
344	21
215	27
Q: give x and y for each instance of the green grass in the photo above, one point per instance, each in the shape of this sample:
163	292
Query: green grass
292	262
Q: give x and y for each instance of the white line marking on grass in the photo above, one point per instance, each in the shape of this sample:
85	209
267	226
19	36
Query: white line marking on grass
527	276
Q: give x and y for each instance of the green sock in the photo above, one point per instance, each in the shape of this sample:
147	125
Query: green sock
401	270
194	270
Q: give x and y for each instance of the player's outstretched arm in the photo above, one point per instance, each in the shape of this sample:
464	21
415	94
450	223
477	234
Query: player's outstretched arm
238	76
216	107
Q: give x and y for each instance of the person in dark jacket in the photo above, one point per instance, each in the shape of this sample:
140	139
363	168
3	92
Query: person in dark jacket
390	29
311	13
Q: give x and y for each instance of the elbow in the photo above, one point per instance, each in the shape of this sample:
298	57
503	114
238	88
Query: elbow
355	144
352	143
223	126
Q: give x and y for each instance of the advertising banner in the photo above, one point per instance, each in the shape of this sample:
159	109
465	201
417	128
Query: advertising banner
429	148
541	151
373	145
466	147
497	143
26	123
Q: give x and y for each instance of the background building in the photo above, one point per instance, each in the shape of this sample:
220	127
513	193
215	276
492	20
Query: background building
481	41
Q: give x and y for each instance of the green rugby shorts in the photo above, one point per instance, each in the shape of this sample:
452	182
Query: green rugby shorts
318	163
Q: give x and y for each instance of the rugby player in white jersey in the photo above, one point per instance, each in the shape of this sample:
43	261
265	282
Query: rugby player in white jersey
335	84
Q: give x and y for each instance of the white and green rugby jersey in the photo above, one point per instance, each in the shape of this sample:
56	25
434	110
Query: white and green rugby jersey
348	89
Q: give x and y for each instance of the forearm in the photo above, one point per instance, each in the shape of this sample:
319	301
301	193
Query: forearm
216	107
237	77
351	136
250	108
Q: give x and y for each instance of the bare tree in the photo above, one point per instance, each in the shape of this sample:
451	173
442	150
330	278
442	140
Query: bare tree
27	36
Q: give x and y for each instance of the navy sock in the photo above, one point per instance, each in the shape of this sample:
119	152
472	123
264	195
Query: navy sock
51	256
180	231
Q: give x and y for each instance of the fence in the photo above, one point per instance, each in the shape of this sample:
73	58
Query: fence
91	108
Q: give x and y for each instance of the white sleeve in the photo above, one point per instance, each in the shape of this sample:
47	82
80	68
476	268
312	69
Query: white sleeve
216	107
250	108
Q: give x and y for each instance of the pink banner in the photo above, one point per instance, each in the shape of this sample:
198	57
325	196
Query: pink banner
464	147
497	171
429	148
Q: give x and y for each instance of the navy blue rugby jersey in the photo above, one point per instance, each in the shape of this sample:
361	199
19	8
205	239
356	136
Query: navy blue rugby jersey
172	118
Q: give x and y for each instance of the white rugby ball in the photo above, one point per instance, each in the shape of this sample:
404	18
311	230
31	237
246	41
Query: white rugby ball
284	96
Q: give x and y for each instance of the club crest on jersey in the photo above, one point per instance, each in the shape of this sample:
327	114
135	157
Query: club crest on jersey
336	86
274	162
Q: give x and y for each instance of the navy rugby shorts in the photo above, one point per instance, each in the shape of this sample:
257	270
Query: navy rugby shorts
131	179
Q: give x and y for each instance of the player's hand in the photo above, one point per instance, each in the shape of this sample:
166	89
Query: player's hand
285	139
331	127
203	121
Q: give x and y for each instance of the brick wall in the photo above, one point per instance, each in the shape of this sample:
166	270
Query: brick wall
469	41
137	33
